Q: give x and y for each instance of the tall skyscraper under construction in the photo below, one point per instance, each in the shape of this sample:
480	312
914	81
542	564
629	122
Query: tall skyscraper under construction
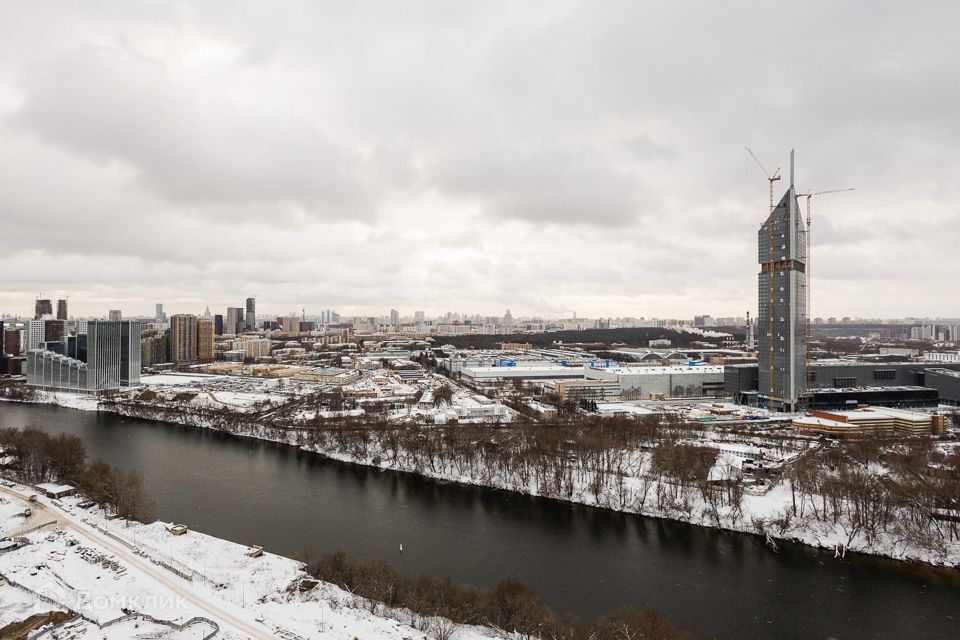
782	318
42	308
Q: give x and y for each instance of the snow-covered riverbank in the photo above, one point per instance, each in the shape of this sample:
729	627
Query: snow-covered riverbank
98	571
765	511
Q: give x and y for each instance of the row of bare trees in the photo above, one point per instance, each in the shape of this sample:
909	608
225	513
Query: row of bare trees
509	607
907	490
618	463
40	457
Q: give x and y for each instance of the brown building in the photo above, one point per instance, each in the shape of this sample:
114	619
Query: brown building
183	338
11	341
205	331
53	330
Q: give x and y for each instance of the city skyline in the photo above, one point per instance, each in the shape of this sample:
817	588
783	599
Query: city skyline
469	320
561	167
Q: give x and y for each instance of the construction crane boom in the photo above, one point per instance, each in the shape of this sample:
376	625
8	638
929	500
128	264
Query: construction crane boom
771	177
809	197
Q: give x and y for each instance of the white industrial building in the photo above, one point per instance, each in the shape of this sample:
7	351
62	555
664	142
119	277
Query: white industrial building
541	372
652	383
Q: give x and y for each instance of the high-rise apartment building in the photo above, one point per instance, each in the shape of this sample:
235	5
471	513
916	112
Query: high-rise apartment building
115	315
61	309
205	331
329	316
160	315
11	341
155	350
183	338
53	330
130	352
87	362
36	334
251	317
418	316
103	355
42	308
394	317
782	315
290	324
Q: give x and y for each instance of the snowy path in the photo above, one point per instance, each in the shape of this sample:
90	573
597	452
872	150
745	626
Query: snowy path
209	606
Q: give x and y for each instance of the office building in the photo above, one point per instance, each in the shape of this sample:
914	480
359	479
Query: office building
183	338
61	309
250	320
782	316
394	317
42	308
205	331
235	324
160	315
583	389
218	324
418	317
115	315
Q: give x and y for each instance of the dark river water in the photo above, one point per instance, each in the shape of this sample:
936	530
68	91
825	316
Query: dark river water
581	561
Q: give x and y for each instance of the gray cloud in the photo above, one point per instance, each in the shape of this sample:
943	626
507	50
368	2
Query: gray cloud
469	156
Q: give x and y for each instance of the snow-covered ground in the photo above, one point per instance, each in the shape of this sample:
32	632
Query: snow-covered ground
101	569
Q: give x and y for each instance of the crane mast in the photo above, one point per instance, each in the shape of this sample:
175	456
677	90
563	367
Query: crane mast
809	197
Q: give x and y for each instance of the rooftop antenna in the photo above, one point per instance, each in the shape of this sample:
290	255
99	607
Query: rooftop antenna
791	168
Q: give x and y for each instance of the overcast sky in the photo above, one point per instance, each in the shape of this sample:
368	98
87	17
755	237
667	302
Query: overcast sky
546	157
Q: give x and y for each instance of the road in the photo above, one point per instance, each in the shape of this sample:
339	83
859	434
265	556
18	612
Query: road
208	606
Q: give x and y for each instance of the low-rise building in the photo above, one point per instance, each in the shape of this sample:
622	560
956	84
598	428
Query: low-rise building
657	382
543	372
583	389
868	421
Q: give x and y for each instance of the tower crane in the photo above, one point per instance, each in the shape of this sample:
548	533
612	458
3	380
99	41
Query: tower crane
809	197
771	177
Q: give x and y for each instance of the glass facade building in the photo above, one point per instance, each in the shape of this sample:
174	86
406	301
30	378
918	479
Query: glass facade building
105	357
782	293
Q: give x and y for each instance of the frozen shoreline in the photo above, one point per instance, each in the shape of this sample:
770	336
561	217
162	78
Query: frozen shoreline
758	514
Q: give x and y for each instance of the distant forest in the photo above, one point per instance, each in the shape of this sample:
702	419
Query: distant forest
602	338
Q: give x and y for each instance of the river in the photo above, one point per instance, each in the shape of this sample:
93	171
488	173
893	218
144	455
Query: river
580	560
